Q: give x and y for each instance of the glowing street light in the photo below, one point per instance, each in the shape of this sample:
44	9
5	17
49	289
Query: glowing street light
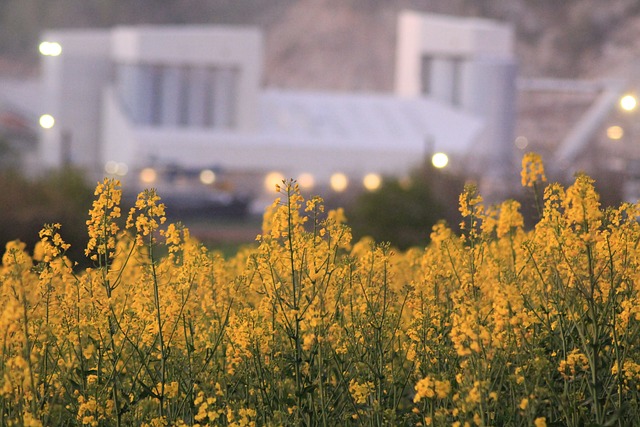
440	160
628	102
47	121
47	48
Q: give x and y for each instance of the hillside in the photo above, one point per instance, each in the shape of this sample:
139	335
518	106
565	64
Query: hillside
349	44
339	44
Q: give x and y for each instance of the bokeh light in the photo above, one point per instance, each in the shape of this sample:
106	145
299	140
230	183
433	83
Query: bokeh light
521	142
47	121
339	182
306	181
148	175
372	181
440	160
207	176
615	132
47	48
628	102
271	180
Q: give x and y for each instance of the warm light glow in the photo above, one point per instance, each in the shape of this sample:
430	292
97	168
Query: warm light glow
405	182
207	176
271	180
440	160
372	181
521	142
628	102
50	48
148	175
615	132
306	181
47	121
339	182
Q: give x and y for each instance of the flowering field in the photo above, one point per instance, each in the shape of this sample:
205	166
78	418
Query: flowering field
497	326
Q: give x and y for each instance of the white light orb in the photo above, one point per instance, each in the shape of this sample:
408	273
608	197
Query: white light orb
439	160
207	176
521	142
628	102
47	48
47	121
111	167
122	169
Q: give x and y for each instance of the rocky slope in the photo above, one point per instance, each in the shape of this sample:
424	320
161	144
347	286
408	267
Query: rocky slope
340	44
349	44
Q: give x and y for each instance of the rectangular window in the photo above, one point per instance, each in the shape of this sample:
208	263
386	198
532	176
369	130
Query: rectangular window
176	95
425	74
456	87
441	77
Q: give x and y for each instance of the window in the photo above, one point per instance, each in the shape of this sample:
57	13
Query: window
456	87
425	74
441	77
174	95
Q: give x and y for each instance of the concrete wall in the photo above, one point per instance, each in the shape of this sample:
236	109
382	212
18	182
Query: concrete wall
220	47
72	87
467	63
444	38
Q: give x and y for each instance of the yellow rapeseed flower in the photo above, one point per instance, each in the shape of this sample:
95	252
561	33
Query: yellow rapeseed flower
540	422
532	170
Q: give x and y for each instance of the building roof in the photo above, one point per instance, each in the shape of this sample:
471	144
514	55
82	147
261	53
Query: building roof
371	121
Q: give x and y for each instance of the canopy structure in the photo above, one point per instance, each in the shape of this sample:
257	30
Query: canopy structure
368	122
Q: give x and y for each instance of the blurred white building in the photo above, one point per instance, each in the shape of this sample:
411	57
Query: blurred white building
137	102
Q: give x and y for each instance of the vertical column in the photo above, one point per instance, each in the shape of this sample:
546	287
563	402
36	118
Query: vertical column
490	93
224	82
126	89
197	97
171	95
426	62
145	93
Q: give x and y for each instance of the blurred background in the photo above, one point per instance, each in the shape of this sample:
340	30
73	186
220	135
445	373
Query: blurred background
386	108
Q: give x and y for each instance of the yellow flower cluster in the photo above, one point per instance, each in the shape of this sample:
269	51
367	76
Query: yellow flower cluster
532	170
360	392
499	325
101	224
430	388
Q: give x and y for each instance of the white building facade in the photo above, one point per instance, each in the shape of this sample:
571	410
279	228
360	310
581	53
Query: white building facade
468	64
131	99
